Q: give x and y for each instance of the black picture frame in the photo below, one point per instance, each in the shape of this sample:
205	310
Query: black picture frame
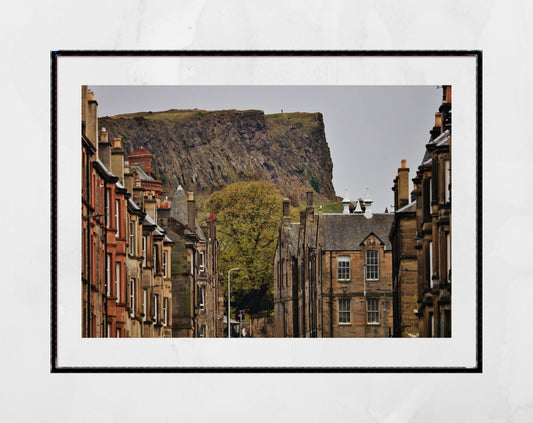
55	55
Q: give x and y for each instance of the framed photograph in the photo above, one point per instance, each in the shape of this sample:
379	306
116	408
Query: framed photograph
365	106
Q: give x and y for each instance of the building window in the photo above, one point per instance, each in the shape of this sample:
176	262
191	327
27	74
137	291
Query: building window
156	262
117	281
145	300
372	311
132	237
118	333
201	299
448	256
108	274
144	250
343	268
201	331
165	263
107	201
165	311
155	300
117	221
344	311
372	265
202	262
430	261
447	180
132	297
108	334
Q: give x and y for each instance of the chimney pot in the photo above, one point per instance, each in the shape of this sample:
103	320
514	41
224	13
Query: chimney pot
404	164
309	195
190	196
117	142
90	95
438	119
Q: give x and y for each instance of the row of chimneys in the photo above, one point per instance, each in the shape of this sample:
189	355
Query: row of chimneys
112	155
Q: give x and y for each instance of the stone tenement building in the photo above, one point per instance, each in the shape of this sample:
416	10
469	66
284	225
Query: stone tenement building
198	290
125	267
129	265
333	273
421	237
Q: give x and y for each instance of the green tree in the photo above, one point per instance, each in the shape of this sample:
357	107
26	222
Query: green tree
248	217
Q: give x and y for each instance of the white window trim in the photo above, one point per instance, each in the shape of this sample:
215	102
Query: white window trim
373	311
155	305
117	221
369	265
165	311
145	243
202	297
344	259
202	261
145	300
117	281
132	237
107	206
202	331
165	262
132	297
108	274
347	302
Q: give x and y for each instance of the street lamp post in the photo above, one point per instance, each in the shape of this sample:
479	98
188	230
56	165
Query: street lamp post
229	299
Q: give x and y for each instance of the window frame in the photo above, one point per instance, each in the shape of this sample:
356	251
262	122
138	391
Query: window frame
344	311
108	274
132	237
165	311
132	297
117	219
165	263
155	305
201	266
118	271
343	269
370	311
145	305
201	297
370	267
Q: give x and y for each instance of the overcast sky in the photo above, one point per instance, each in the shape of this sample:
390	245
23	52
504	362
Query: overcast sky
369	129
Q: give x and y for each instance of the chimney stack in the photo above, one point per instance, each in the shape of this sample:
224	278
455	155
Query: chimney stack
191	211
368	205
310	210
403	186
117	159
150	205
89	113
286	212
104	149
346	202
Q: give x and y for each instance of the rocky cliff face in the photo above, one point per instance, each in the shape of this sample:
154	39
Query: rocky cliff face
205	150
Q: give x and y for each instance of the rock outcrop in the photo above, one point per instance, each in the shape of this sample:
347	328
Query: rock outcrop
205	150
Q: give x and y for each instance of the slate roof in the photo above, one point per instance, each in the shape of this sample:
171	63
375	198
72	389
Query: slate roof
178	207
292	238
411	207
442	139
140	173
179	212
345	232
